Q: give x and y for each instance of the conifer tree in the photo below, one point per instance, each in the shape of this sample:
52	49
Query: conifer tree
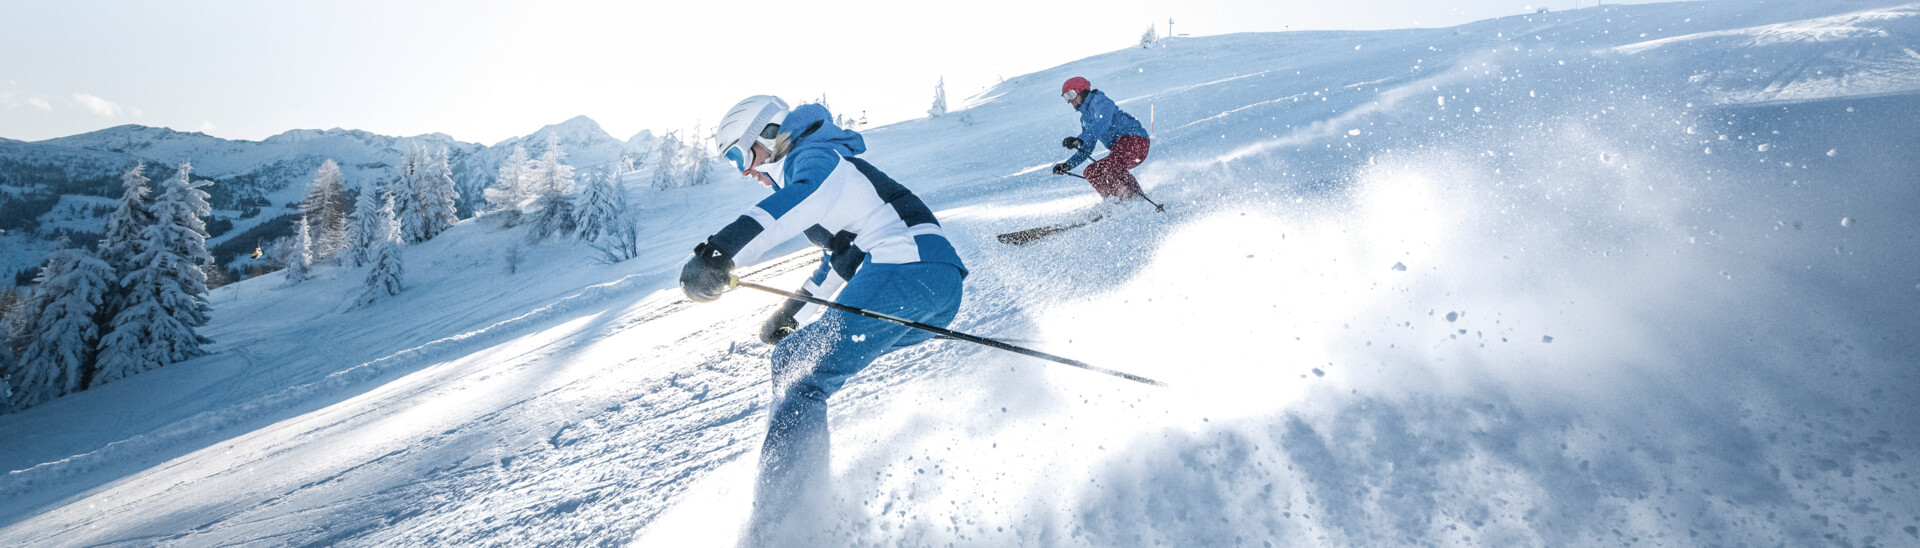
601	203
299	253
19	321
607	221
939	99
166	293
6	382
326	208
119	244
436	196
697	161
553	183
59	360
666	161
403	189
388	272
509	191
365	225
10	314
10	298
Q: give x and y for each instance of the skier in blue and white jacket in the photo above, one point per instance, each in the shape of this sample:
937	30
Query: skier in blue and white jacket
883	250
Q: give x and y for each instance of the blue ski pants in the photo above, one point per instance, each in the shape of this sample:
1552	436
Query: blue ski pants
814	362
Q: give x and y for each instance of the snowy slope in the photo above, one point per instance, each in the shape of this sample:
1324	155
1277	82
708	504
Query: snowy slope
1612	276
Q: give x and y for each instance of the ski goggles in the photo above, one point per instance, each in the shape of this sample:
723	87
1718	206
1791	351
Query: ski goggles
739	157
1070	95
741	153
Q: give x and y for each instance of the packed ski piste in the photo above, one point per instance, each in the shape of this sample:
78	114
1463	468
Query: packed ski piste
1625	276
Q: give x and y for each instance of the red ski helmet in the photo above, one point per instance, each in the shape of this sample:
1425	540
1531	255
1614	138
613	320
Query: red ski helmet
1075	84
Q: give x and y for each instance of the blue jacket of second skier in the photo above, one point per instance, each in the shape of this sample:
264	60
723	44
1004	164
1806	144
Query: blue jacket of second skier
1102	121
852	210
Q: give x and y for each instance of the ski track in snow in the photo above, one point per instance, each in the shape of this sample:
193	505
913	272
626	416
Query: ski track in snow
1557	280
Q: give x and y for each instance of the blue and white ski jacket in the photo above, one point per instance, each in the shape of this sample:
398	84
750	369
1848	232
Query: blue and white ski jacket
843	204
1102	121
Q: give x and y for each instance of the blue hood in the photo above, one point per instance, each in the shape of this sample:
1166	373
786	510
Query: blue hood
800	126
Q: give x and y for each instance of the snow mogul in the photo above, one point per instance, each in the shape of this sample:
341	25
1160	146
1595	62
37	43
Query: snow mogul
882	251
1101	121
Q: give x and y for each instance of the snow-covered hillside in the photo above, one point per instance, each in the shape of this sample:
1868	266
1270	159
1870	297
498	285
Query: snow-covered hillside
1631	275
275	170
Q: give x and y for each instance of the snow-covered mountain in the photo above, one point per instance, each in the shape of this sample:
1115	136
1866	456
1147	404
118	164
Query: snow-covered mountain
1619	276
272	171
588	148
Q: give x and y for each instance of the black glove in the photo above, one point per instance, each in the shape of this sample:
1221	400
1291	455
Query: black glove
781	323
1061	168
1072	142
706	274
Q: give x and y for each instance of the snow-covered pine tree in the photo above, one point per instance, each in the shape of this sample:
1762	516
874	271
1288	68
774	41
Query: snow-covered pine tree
13	318
17	321
364	229
120	242
404	189
553	184
600	203
435	195
621	240
166	294
697	161
1147	39
939	99
9	368
388	272
326	207
10	302
666	161
509	191
299	253
6	382
59	360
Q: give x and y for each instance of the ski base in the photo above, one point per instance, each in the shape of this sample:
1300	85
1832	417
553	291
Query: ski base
1024	237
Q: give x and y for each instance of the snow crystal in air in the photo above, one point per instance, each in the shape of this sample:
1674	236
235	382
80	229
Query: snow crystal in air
1399	267
1833	152
1846	222
1546	338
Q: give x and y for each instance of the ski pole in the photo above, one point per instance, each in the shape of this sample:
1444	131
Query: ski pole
735	281
1143	196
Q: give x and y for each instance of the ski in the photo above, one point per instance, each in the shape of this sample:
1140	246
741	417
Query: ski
1024	237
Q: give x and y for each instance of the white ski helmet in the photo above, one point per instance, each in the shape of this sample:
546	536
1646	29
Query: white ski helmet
754	118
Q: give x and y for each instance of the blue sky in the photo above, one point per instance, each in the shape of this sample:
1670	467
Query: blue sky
484	71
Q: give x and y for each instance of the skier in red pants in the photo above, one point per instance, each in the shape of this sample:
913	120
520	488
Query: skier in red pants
1103	122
